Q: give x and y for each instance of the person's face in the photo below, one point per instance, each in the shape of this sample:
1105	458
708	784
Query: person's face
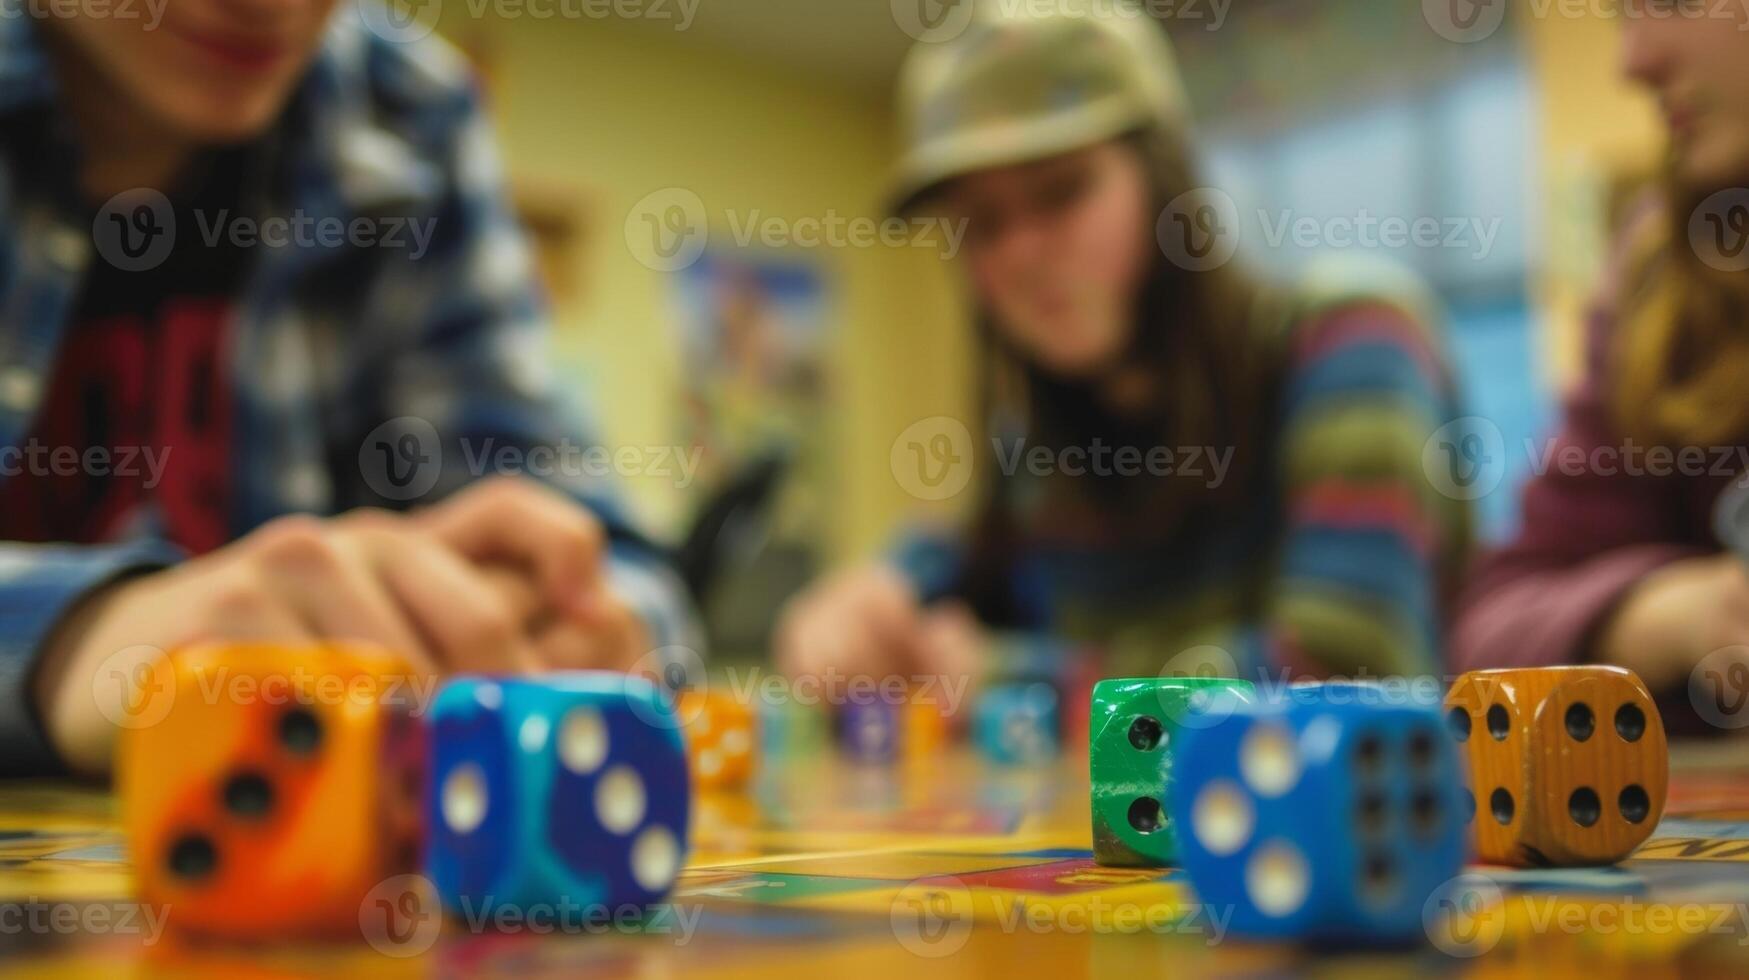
1057	251
210	70
1694	56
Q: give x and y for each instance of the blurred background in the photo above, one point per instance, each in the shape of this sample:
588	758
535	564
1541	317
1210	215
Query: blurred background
651	144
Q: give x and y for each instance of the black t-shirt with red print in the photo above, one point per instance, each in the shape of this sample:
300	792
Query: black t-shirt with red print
137	417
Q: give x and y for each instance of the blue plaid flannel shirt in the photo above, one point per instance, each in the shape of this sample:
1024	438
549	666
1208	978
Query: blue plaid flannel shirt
327	343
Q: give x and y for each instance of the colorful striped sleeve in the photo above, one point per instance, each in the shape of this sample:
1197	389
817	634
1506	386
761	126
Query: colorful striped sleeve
1371	549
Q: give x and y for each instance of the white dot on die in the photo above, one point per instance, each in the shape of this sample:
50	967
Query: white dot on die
489	696
709	763
583	741
1278	879
532	736
655	858
1269	761
736	741
870	734
464	798
1222	817
619	799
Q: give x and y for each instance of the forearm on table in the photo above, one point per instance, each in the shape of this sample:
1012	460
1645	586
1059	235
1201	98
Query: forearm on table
1524	613
44	590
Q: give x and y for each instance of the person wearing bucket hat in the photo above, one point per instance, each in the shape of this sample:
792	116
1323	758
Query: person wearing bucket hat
1187	467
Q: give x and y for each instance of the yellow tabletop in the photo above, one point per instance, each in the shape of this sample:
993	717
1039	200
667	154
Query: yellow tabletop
944	864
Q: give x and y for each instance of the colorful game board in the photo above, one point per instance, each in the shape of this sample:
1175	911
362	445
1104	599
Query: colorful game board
946	865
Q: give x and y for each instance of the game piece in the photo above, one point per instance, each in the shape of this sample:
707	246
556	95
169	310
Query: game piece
1017	724
1135	724
1075	699
789	728
1567	765
1019	659
923	729
868	729
1326	813
721	734
265	790
569	790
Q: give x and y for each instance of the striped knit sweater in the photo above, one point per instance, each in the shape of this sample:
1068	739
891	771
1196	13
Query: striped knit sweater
1348	560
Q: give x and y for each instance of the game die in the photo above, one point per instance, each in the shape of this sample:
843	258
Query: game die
1325	814
265	790
1567	765
721	738
790	729
1134	731
1018	724
567	789
869	729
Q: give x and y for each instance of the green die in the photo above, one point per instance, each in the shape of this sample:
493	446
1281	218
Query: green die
791	730
1130	761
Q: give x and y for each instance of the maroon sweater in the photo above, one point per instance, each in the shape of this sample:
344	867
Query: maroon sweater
1588	535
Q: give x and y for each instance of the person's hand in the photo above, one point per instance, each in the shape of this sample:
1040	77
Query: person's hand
1675	617
425	587
867	622
579	621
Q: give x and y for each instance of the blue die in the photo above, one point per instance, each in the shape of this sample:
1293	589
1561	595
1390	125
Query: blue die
869	730
1329	812
1017	724
570	790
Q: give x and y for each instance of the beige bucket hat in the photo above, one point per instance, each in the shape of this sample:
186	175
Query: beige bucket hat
1021	80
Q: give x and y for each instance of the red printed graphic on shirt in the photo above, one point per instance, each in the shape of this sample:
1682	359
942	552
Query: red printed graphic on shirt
138	413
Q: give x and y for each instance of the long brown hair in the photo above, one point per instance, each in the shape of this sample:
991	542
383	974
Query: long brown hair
1196	337
1680	364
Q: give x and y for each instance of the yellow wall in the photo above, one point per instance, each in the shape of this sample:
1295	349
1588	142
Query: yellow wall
620	112
1594	126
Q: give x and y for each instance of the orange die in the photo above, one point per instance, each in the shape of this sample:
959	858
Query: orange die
719	738
266	790
1568	765
924	731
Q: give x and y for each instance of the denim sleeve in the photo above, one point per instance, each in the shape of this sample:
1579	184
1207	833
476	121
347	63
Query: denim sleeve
39	584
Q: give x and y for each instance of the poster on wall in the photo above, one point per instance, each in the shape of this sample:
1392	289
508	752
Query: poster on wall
753	335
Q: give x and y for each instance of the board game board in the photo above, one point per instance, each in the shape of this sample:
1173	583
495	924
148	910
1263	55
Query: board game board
944	864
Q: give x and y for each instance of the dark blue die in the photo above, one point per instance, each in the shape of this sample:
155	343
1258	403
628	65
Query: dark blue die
869	730
567	792
1017	724
1328	812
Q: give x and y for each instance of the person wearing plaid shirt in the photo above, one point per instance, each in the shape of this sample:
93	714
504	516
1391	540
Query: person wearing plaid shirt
273	367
